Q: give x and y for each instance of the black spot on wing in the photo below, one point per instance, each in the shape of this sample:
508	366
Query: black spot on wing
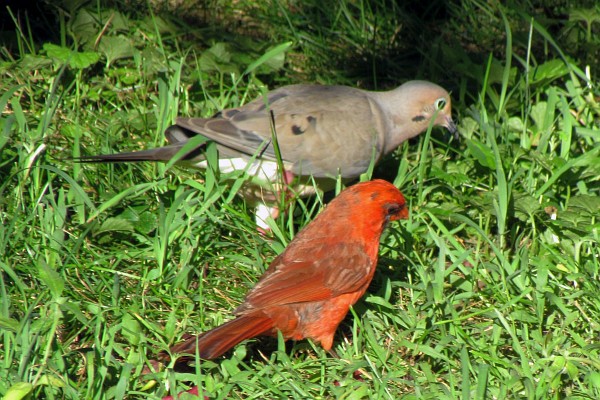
296	130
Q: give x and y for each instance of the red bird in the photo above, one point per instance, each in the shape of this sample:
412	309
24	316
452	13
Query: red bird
309	288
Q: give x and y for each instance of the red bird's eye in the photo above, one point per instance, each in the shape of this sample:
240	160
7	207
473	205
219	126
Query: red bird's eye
393	209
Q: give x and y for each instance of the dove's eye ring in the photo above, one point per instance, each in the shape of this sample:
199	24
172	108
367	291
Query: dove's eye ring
440	103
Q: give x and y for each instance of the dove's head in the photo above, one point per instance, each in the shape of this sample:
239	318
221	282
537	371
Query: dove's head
413	106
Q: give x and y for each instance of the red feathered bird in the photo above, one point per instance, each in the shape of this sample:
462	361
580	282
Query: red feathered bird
308	289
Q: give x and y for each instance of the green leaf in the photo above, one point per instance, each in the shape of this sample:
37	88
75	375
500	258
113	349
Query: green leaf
115	225
153	274
31	62
115	48
482	153
62	54
49	380
548	71
74	59
147	223
85	27
83	60
9	324
538	114
218	58
525	204
585	204
131	329
594	379
18	391
515	124
52	279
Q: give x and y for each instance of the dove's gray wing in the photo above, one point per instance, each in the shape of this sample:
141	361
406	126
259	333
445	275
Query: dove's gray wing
321	130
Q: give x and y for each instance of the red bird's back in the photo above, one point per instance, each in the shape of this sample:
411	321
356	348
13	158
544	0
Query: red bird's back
308	289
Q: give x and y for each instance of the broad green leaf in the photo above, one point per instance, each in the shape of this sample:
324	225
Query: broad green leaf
131	329
115	224
548	71
52	279
18	391
115	48
482	153
83	60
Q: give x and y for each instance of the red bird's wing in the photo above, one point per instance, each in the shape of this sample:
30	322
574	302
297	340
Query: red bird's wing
323	273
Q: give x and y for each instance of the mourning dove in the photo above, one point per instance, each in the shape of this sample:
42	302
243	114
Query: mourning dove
322	132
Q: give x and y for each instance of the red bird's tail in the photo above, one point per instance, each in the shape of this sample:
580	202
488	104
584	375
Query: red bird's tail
217	341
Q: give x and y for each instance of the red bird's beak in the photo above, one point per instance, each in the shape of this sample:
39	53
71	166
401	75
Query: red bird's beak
396	212
403	214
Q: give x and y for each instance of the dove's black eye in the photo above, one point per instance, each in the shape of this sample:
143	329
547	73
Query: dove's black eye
440	103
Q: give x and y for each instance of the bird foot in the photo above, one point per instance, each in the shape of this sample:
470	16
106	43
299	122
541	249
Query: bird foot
262	214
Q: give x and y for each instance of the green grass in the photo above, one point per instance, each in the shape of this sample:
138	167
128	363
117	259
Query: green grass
490	290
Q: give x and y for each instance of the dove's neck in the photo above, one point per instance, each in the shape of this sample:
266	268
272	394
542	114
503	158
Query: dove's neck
399	116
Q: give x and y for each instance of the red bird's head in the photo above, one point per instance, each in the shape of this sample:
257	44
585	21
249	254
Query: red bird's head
363	210
378	199
357	215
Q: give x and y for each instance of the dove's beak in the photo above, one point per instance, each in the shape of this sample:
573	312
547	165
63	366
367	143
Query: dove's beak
451	126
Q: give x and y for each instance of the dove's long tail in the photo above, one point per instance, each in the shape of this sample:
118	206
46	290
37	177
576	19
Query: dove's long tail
163	154
177	136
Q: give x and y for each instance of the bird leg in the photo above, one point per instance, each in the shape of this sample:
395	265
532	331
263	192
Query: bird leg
263	211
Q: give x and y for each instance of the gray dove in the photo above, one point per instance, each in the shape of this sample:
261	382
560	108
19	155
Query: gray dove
322	132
